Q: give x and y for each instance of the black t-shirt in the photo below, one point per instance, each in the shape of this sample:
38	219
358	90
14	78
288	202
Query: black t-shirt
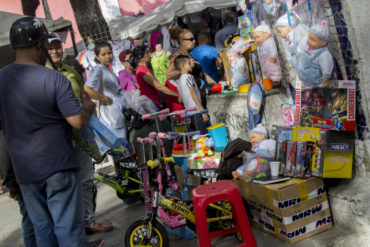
34	102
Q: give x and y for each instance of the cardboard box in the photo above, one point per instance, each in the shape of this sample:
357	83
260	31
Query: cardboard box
283	198
327	108
333	155
291	211
186	182
295	233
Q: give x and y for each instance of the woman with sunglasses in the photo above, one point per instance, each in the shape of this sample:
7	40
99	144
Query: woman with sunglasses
186	42
126	77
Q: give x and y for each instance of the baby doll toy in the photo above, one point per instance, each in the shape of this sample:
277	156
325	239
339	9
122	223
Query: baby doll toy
269	6
239	69
295	35
267	53
261	146
315	64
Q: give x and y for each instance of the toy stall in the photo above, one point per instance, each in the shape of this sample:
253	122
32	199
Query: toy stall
283	122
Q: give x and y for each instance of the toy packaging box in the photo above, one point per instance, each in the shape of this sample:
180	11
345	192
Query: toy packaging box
95	139
327	108
333	152
281	134
291	211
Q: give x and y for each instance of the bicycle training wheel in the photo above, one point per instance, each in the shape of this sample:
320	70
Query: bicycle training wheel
136	235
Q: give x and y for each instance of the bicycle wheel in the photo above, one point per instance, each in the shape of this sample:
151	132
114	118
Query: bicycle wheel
136	235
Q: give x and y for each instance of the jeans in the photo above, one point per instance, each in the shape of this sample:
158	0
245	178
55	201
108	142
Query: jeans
29	238
202	126
55	209
86	177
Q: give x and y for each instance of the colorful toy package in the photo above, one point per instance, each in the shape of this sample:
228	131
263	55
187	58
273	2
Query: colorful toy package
254	165
95	139
327	108
303	162
333	151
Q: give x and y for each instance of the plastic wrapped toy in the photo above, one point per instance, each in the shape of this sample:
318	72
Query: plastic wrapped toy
253	166
269	7
203	146
287	111
245	27
261	145
315	64
239	69
295	35
267	53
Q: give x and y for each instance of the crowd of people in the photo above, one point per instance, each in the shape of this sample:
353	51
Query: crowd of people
42	99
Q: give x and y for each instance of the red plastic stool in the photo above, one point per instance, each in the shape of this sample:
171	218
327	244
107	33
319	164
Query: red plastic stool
215	192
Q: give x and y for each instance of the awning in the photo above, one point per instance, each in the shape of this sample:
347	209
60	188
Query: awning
166	13
7	20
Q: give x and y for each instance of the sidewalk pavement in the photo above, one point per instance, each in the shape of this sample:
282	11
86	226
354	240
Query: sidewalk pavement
111	210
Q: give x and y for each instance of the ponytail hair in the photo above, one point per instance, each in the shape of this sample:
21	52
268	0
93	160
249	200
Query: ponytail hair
137	54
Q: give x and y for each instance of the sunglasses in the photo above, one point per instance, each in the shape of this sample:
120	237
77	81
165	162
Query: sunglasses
190	39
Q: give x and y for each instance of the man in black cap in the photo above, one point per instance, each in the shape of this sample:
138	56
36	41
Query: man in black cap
230	28
37	112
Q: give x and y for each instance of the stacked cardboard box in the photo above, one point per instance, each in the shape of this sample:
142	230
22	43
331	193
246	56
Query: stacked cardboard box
291	211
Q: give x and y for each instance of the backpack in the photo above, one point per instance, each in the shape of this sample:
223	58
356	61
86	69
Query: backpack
134	120
229	157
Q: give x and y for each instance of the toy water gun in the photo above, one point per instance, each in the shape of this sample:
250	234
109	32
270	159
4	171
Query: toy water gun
221	87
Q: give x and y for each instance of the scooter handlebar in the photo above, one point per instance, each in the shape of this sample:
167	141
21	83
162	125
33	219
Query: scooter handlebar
163	135
145	116
191	109
172	133
152	134
142	140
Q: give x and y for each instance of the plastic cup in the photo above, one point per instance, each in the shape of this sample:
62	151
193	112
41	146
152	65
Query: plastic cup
274	167
267	83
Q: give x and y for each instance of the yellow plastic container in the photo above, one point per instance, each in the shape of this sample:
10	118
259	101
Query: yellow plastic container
244	88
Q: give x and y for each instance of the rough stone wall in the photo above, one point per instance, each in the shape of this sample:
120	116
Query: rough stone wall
350	200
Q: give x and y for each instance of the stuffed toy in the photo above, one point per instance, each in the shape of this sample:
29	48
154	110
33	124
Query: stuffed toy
267	53
315	64
295	35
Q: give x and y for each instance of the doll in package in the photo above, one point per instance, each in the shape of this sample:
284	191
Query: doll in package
267	53
295	36
315	64
238	67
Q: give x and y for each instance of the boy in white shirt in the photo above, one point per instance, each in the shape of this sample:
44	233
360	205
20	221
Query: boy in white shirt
189	91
